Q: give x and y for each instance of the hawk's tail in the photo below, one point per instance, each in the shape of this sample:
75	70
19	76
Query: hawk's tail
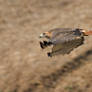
87	33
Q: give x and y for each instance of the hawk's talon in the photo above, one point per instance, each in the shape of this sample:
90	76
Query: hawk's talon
42	45
49	54
45	43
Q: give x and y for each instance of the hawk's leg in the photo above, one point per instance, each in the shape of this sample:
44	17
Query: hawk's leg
44	44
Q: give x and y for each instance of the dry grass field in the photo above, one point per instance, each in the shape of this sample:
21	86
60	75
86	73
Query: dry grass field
24	67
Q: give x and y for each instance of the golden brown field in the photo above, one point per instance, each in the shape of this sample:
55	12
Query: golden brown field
24	67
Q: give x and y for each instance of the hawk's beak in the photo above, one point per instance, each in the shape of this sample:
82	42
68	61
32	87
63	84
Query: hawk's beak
41	35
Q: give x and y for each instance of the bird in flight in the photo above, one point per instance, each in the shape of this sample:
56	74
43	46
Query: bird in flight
63	40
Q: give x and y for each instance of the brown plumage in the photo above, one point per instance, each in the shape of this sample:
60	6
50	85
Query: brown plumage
64	40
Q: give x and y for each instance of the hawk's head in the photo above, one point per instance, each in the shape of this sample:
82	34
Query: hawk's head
46	35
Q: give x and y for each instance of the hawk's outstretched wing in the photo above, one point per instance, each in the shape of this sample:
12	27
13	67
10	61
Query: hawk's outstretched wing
65	36
66	47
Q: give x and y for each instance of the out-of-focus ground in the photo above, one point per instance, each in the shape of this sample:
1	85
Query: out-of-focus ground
24	67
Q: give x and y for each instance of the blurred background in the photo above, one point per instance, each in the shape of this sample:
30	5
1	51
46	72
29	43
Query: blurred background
24	67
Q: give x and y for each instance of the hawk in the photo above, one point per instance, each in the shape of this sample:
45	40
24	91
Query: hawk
63	40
